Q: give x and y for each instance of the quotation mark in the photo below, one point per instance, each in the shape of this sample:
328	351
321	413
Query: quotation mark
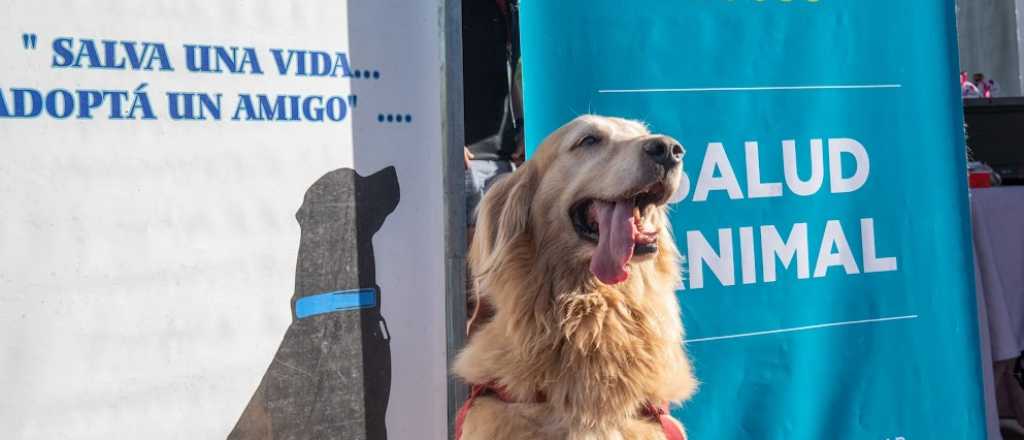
352	100
29	41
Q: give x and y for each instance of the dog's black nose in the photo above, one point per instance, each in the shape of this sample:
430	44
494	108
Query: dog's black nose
664	151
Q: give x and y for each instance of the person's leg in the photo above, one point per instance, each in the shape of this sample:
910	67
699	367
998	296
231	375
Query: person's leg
486	173
475	182
474	193
498	169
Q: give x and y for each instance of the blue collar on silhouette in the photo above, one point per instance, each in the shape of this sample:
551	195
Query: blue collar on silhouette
330	302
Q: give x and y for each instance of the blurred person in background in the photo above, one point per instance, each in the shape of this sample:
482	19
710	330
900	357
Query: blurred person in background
987	87
492	96
492	99
967	88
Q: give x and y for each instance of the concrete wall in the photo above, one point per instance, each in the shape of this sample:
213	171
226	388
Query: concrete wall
990	41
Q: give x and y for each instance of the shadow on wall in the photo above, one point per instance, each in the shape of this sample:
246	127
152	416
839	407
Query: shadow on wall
331	375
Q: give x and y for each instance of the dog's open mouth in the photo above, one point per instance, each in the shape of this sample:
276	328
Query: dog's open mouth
620	228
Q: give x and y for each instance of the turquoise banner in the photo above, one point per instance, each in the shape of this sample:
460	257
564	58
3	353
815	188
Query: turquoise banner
829	286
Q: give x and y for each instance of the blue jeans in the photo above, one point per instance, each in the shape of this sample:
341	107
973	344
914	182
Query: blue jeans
479	178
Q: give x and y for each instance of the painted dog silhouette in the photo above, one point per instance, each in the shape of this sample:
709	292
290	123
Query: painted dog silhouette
331	376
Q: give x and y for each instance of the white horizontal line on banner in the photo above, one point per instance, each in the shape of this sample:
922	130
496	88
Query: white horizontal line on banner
756	89
800	329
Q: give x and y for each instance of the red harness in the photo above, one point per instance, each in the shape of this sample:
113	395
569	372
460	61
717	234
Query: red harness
654	412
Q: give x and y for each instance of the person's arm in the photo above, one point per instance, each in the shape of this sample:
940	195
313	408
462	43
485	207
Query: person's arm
517	105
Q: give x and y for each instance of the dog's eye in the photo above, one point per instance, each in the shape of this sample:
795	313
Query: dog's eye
589	140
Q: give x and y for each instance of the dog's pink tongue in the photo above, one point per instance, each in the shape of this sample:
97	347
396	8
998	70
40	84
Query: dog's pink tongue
616	230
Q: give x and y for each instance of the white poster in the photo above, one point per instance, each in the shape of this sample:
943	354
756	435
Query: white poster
221	219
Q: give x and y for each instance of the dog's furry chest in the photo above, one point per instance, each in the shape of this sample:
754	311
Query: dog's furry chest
492	419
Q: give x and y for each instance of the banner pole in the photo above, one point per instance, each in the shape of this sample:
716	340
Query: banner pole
454	198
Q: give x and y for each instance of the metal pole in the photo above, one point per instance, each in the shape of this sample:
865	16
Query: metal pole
454	197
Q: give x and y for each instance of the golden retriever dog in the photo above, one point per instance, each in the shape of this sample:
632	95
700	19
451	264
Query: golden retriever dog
574	254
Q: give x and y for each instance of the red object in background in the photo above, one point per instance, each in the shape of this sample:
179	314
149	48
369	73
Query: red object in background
980	180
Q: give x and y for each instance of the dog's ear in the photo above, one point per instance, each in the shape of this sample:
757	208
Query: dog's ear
502	216
377	196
